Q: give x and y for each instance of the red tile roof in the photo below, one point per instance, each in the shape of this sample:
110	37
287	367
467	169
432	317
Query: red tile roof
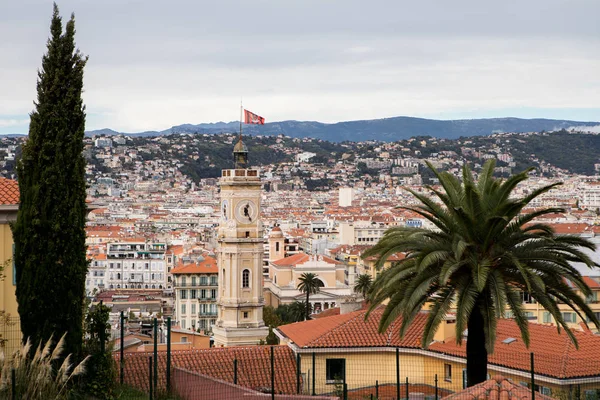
555	355
496	388
301	258
254	369
9	192
206	266
351	330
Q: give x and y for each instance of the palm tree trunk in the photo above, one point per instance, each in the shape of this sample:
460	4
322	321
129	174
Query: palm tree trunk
477	357
307	306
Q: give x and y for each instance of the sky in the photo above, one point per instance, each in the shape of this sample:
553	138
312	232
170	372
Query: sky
155	63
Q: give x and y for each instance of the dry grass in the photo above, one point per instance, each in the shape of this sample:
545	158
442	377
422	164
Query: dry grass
35	377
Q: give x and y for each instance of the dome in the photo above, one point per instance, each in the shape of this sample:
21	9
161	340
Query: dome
276	233
240	147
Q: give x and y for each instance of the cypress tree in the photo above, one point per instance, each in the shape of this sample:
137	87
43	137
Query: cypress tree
49	232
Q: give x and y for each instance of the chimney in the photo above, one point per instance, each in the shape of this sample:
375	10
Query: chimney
446	330
350	304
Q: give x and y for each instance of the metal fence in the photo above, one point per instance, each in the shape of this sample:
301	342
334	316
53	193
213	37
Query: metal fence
385	373
10	334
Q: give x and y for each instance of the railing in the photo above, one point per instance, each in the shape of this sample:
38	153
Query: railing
195	285
207	314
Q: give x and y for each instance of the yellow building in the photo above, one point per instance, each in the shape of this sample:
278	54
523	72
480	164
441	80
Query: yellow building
347	348
9	326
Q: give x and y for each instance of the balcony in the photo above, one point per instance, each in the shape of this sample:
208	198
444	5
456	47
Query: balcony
207	299
207	314
195	285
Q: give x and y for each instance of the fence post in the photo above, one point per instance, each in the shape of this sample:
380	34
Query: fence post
532	378
345	390
272	373
235	371
436	387
313	374
377	389
407	388
155	353
150	375
169	355
397	373
122	345
298	367
13	383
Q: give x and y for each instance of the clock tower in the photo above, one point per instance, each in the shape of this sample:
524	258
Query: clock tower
239	256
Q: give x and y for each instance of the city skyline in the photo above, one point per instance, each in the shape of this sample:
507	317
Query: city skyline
153	66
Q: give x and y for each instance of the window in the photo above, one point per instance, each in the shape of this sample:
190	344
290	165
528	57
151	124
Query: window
213	293
202	293
183	338
547	318
203	280
245	314
183	327
194	308
276	246
448	372
183	294
569	317
132	276
183	281
246	278
183	310
193	281
213	280
147	265
118	275
193	294
335	370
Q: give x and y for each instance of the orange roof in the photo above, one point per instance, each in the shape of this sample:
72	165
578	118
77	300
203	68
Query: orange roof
496	388
206	266
9	192
555	355
351	330
301	258
592	283
253	365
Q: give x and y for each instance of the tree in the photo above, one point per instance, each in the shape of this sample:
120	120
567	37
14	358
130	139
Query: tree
363	284
309	284
483	253
49	232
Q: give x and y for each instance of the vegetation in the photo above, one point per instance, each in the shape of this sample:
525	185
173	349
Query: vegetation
35	376
482	255
363	284
309	284
49	233
102	372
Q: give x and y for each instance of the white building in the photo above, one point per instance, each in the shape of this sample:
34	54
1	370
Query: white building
135	265
346	195
196	286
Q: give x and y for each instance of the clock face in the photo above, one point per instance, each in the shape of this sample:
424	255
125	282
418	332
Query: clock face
246	212
224	209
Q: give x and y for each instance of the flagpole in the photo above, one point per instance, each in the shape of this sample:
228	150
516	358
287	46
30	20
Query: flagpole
241	115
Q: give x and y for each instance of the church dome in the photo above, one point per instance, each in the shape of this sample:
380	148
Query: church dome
276	233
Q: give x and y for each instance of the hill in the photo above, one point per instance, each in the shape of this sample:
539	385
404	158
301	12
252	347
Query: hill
386	129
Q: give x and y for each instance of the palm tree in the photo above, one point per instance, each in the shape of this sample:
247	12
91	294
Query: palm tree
297	311
363	284
309	284
484	252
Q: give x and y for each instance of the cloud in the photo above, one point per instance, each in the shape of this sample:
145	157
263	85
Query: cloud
8	123
155	64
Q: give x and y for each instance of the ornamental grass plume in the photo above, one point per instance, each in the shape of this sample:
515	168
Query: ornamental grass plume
36	377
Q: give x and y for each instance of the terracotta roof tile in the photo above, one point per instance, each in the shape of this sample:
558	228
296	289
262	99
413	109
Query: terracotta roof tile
301	258
206	266
351	330
496	388
254	370
9	191
555	355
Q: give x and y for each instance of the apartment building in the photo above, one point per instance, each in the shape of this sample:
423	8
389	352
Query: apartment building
195	283
135	265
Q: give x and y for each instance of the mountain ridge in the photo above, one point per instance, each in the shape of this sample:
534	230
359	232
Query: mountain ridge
384	129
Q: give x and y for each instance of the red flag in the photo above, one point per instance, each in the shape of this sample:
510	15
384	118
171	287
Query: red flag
251	118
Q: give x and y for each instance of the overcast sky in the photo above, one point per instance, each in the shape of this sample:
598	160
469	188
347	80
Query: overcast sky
157	63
